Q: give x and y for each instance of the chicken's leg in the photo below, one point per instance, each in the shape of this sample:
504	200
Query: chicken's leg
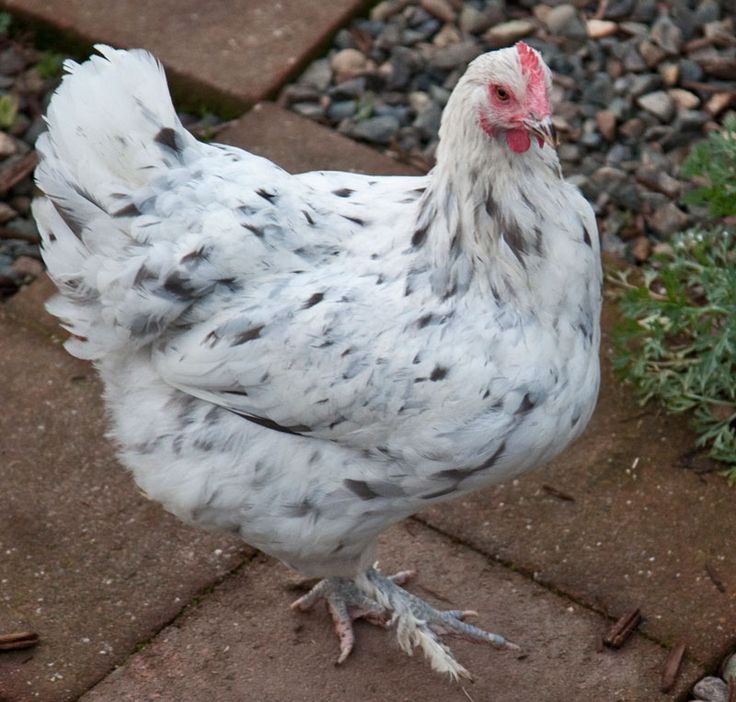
381	600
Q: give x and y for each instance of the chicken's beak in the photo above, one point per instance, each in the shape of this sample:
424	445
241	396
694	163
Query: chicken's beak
543	129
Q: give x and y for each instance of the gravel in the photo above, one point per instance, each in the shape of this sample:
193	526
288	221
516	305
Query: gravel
27	79
637	82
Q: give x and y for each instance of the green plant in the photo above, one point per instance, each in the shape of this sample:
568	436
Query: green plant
8	110
5	21
677	343
49	65
713	164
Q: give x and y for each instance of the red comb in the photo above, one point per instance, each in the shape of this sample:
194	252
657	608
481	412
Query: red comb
530	64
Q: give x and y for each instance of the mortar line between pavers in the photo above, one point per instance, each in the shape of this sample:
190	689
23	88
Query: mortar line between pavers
529	575
196	600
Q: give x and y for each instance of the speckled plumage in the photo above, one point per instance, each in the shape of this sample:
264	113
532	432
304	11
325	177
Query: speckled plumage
306	359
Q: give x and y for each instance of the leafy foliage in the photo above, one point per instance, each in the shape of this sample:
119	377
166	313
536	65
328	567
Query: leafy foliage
8	110
713	164
5	21
678	341
49	65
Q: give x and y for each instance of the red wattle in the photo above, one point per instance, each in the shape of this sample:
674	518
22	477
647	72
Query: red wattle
518	140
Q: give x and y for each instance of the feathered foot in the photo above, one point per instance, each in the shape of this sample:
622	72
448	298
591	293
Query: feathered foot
381	600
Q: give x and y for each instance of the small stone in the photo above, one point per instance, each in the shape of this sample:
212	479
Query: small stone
8	145
670	73
318	75
723	67
507	33
707	11
564	20
27	267
729	668
11	62
6	213
658	180
645	11
598	29
24	229
474	21
454	56
428	120
690	71
441	9
644	84
312	110
384	10
684	99
340	110
651	53
633	61
718	102
569	152
637	29
641	249
446	36
668	220
349	63
378	130
349	89
599	91
21	204
632	128
667	35
606	121
658	103
711	689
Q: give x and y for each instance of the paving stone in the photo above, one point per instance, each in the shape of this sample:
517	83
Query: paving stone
641	529
243	642
85	560
235	51
298	144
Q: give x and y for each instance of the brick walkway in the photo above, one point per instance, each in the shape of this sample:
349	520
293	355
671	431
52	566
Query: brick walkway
109	580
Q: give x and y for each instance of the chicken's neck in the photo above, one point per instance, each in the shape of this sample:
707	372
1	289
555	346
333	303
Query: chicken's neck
482	216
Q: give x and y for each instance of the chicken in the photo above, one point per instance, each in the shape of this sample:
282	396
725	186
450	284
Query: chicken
307	359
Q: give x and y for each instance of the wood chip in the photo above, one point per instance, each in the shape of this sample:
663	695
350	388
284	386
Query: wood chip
622	629
18	640
16	170
558	493
672	668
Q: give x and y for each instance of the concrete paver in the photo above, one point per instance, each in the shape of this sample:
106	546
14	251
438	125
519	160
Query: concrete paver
243	642
642	531
85	560
230	52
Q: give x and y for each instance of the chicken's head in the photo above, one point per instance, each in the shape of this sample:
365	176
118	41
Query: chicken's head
508	91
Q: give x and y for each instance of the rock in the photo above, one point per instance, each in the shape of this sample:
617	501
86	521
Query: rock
667	35
606	121
427	121
441	9
24	229
637	29
632	128
729	668
6	213
8	145
723	67
651	53
312	110
641	249
707	11
21	204
456	55
668	220
598	29
27	267
354	88
349	63
474	21
633	61
378	130
598	91
507	33
718	102
569	152
645	11
644	84
11	62
670	73
318	75
659	180
690	120
564	20
446	36
340	110
619	9
711	689
658	103
690	71
684	99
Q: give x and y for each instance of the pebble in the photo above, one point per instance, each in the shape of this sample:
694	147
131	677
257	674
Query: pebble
718	102
711	689
6	213
598	29
8	145
348	63
729	668
475	21
667	35
507	33
27	267
606	121
641	249
441	9
455	55
378	130
668	220
658	103
684	98
564	20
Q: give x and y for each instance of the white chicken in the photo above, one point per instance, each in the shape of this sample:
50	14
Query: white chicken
306	359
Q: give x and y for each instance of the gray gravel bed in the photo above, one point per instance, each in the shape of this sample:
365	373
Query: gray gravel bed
637	82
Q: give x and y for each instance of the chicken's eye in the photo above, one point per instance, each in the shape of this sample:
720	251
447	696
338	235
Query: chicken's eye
502	94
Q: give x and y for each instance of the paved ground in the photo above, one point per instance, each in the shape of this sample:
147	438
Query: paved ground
108	579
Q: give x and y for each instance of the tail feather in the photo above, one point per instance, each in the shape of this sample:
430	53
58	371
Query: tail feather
112	129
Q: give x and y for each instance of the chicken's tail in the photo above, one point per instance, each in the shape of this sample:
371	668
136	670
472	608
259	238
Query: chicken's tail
112	130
